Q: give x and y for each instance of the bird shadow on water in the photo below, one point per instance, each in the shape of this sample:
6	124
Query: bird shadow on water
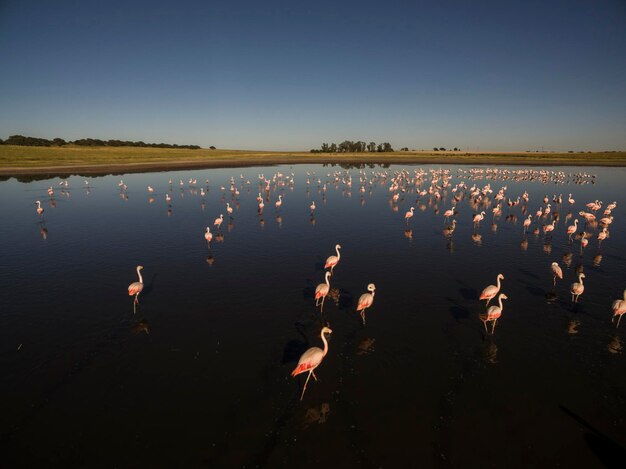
295	347
610	453
149	286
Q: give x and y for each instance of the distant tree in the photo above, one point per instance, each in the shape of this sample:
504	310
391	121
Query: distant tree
59	142
404	149
333	148
371	147
435	149
325	148
211	147
379	148
387	147
456	149
442	149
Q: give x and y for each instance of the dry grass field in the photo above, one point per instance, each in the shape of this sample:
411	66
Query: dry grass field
29	160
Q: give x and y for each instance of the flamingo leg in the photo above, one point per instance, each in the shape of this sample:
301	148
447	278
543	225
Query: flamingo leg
313	373
618	320
322	308
493	326
488	300
485	324
305	383
363	316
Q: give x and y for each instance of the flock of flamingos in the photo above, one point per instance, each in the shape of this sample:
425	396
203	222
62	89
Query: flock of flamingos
431	185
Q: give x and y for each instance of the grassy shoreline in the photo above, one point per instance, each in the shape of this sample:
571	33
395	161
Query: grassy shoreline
21	160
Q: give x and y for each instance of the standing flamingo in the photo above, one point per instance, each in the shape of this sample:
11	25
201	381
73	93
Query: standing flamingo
577	288
409	214
557	272
136	287
312	207
478	217
527	223
491	291
311	359
619	308
39	208
218	221
322	290
208	235
366	300
279	202
572	229
332	261
493	313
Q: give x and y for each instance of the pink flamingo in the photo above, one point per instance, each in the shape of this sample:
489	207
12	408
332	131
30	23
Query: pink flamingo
279	202
572	229
602	235
409	214
311	359
527	223
208	235
366	300
448	213
322	290
312	207
218	221
478	217
332	261
557	272
491	291
39	208
136	287
494	313
577	288
619	308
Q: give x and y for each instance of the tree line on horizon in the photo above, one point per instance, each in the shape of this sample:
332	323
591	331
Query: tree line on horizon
87	142
348	146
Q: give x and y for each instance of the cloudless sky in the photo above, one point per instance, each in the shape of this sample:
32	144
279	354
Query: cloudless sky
289	75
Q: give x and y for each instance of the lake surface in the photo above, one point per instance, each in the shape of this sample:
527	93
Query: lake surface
199	376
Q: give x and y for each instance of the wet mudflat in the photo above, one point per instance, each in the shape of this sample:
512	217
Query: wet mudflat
199	375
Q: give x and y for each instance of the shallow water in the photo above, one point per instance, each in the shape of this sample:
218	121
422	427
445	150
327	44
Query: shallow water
199	376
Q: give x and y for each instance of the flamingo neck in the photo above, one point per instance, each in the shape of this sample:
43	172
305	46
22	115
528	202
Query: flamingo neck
498	283
338	253
580	279
500	302
139	273
327	280
325	351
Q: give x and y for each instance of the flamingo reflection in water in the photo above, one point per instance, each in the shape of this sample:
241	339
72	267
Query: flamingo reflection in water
311	359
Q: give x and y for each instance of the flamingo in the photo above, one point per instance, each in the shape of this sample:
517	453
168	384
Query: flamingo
570	200
478	217
311	359
602	235
312	207
409	214
279	202
229	209
527	223
322	290
39	208
577	288
491	291
557	272
619	308
136	287
572	229
366	300
332	261
218	221
494	313
208	235
448	213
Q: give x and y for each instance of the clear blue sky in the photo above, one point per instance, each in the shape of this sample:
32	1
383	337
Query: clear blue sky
289	75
